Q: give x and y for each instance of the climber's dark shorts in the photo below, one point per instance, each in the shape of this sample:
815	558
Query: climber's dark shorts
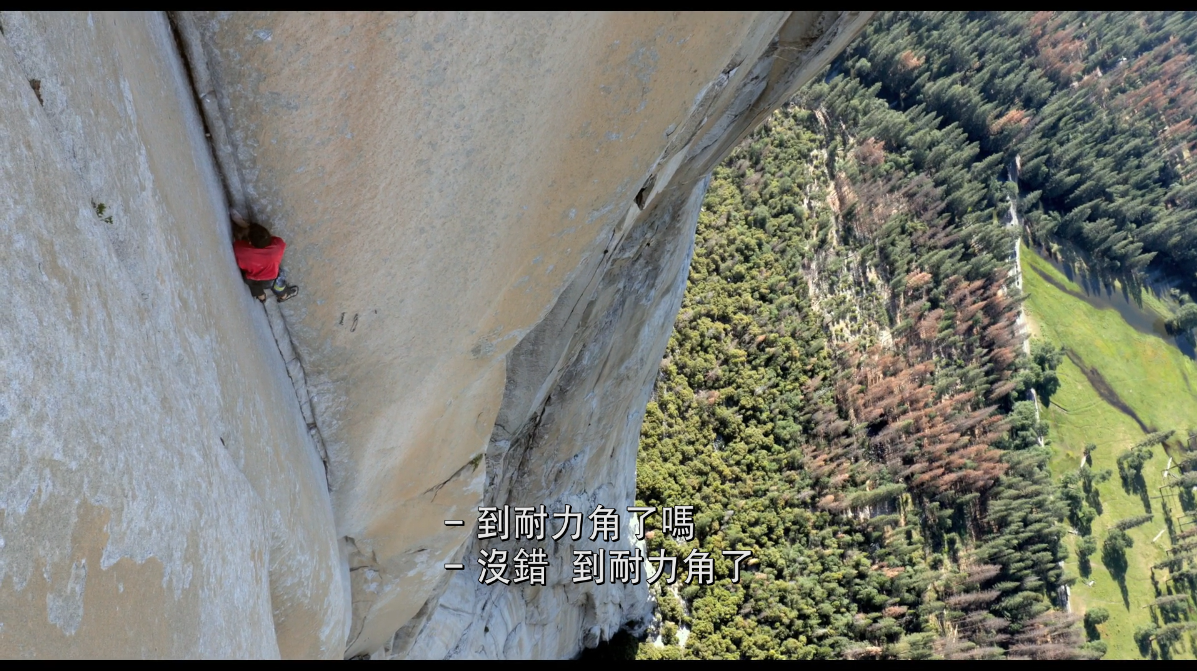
259	287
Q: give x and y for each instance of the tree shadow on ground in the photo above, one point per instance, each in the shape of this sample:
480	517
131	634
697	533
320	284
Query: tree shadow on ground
1139	486
1115	562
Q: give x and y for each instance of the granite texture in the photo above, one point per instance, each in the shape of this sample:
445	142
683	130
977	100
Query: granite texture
490	217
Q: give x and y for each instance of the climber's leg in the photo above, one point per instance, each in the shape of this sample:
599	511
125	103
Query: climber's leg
258	288
280	282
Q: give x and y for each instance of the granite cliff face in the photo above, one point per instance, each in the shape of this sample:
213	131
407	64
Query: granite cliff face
491	218
159	492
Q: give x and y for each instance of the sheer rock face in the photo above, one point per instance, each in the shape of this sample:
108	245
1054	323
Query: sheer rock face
491	217
159	493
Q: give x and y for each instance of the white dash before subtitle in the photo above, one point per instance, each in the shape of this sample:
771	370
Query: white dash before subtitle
454	567
454	523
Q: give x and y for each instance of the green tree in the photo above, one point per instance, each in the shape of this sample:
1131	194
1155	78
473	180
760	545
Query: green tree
1186	318
1041	373
1113	556
1132	522
1096	616
1144	634
1093	618
1085	548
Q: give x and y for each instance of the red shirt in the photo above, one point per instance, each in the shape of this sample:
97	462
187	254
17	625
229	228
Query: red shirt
259	264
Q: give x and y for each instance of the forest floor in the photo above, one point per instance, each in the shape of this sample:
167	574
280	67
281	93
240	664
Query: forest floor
1116	385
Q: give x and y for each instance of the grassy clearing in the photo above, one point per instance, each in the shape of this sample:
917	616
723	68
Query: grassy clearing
1156	381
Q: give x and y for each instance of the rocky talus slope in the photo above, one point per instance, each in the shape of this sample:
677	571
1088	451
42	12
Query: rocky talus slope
491	217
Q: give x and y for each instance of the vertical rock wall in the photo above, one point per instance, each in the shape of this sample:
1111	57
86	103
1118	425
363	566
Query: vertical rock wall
491	218
159	493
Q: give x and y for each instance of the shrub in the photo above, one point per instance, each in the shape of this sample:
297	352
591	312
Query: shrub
1096	616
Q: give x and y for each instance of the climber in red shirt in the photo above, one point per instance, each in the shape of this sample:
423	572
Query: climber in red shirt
259	259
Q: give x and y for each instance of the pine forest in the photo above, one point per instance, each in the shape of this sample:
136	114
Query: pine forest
934	361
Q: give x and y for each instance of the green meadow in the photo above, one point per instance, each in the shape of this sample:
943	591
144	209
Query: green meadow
1154	381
